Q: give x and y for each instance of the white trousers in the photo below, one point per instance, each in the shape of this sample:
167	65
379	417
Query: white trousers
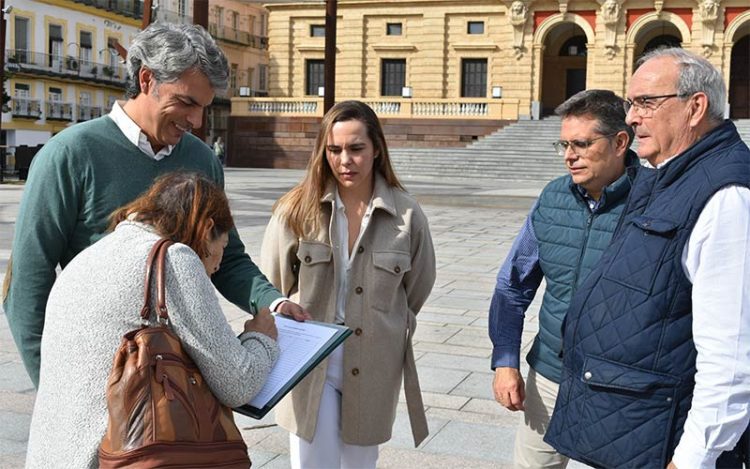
327	450
530	450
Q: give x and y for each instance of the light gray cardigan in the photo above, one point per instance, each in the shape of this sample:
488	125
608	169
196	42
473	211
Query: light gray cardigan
94	302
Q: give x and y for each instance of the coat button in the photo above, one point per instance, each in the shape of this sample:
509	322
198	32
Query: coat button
358	290
355	371
397	269
308	259
358	331
587	376
360	250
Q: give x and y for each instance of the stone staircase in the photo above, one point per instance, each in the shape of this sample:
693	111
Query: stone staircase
521	151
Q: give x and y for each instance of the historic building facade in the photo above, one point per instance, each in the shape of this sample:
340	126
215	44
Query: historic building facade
527	56
62	65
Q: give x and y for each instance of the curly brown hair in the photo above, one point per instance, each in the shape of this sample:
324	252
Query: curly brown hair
181	206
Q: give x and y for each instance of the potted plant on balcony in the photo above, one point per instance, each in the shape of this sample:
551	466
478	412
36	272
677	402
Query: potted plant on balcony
109	71
71	63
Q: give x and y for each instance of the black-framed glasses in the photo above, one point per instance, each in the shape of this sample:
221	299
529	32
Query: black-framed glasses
645	106
579	146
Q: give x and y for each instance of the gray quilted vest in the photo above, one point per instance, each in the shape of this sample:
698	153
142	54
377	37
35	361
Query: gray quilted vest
629	357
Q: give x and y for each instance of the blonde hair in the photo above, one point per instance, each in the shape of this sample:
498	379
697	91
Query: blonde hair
300	207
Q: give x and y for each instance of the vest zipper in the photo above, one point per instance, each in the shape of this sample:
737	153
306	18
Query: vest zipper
574	287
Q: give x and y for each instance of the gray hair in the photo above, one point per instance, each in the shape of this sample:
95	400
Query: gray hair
169	49
603	105
696	75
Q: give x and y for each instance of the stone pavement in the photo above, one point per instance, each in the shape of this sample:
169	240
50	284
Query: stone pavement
473	226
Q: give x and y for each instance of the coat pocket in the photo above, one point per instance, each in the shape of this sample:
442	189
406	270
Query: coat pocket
315	274
390	267
646	242
627	414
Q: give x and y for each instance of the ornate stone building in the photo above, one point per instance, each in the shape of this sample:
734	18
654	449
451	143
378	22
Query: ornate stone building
469	60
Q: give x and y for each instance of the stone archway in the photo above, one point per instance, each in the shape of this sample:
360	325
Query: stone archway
646	29
549	38
564	64
739	68
654	35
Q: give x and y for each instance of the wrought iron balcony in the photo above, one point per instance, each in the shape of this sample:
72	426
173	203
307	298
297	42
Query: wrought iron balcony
59	111
169	16
86	113
37	63
130	8
26	108
240	37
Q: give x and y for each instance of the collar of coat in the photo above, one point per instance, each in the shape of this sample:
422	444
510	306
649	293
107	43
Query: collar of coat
382	194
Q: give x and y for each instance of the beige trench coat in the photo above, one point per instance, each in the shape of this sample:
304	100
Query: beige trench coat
391	277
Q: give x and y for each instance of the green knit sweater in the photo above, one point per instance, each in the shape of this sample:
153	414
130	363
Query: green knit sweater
75	182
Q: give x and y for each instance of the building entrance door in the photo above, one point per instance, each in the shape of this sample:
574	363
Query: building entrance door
739	80
575	81
564	65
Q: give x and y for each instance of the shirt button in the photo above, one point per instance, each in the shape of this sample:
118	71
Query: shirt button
358	331
358	290
355	371
397	269
587	376
360	249
308	259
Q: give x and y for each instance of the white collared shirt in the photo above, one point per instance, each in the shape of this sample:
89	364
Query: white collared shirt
134	133
716	260
340	240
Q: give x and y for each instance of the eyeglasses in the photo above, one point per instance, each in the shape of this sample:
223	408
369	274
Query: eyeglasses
645	106
579	146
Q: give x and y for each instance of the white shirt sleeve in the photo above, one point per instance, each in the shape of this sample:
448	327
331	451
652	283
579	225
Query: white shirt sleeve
716	260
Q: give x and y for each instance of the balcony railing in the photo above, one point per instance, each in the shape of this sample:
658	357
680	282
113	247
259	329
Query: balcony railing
169	16
86	113
131	8
402	108
240	37
246	92
26	108
59	111
37	63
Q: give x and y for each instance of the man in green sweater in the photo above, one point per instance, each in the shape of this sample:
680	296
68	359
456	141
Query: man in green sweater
87	171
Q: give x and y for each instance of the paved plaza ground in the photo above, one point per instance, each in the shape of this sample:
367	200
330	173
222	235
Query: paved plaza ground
473	226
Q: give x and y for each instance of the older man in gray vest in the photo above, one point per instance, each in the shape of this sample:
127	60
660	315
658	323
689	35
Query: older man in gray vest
656	356
561	241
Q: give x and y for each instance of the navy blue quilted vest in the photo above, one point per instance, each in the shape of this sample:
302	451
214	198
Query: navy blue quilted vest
629	357
571	239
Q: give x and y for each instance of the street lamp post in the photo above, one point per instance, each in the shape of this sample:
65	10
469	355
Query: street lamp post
329	74
2	83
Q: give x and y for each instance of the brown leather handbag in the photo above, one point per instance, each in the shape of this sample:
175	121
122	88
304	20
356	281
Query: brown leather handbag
161	411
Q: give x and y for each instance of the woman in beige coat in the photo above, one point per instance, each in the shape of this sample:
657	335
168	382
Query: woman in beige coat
352	247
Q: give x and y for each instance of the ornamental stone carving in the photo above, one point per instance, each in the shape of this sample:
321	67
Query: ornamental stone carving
709	13
610	13
518	14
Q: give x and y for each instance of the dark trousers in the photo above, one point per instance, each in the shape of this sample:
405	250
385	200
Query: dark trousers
738	456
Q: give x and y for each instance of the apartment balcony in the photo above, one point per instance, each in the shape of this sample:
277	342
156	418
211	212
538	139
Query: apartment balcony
129	8
246	92
25	108
169	16
59	111
37	63
86	113
244	38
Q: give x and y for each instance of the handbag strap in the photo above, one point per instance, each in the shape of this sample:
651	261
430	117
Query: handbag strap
155	261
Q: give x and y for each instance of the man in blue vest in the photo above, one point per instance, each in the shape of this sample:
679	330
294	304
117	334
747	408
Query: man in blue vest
656	343
562	239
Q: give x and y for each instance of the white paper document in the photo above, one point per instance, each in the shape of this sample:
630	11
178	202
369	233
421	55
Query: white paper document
303	345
